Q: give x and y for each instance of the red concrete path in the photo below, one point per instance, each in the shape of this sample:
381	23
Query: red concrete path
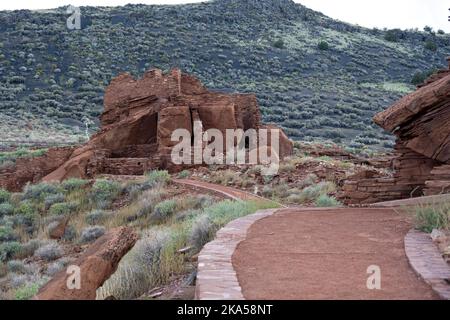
324	254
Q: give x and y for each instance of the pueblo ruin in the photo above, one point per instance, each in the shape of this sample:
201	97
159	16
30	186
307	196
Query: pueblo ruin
136	126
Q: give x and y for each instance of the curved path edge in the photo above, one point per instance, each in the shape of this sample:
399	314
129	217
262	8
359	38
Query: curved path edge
426	260
216	277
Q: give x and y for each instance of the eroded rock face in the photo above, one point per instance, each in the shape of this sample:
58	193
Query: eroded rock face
96	265
32	170
421	122
140	115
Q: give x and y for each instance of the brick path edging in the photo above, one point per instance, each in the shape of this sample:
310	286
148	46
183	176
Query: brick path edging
426	260
216	277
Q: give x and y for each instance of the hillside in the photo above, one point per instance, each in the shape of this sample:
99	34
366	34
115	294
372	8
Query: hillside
317	77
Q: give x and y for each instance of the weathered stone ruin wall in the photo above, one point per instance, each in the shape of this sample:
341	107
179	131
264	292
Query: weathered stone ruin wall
32	170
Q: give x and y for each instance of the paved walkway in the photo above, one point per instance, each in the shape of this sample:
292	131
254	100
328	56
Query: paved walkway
229	192
325	254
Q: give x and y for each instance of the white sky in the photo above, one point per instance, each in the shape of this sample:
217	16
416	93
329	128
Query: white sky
402	14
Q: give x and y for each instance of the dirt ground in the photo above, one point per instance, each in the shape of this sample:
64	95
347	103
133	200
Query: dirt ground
325	254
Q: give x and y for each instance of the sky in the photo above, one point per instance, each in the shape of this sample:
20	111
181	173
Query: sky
404	14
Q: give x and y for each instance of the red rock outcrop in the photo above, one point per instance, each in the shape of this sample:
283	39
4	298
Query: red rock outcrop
421	122
34	169
140	115
96	265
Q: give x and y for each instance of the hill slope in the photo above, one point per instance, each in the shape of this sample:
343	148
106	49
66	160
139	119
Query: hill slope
317	77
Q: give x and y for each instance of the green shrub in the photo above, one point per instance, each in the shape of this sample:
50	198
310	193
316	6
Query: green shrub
16	266
7	234
64	208
25	208
184	174
163	211
323	45
38	192
279	44
52	199
202	232
90	234
429	217
104	192
6	209
28	249
157	178
27	291
430	45
5	196
325	201
391	36
9	250
313	192
73	184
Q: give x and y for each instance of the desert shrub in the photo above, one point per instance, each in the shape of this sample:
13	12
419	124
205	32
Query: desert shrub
323	45
430	45
96	216
434	216
104	192
281	191
313	192
163	211
90	234
279	44
8	250
53	199
27	291
391	36
326	201
202	232
70	234
16	266
64	208
7	234
49	252
187	214
57	266
309	180
38	192
6	209
139	269
73	184
28	249
267	191
157	178
184	174
420	77
25	209
5	196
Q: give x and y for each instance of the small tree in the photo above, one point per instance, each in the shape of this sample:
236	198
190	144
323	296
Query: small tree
279	44
430	45
391	36
323	45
